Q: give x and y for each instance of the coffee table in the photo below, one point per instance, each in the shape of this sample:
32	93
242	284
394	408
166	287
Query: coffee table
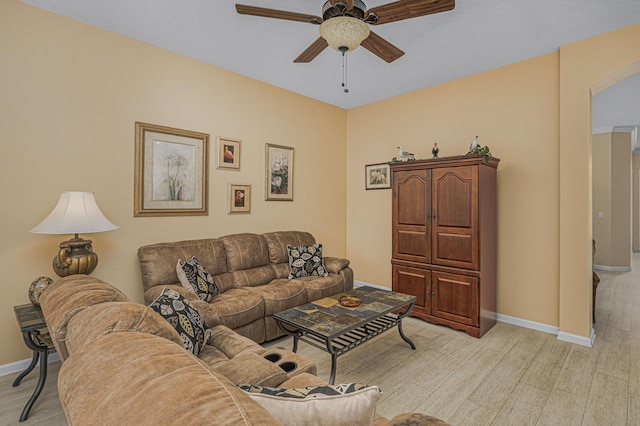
327	325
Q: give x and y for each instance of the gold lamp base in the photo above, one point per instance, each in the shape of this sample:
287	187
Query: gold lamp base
75	257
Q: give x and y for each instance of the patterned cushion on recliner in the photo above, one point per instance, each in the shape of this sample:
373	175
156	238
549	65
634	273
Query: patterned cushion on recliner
184	318
195	277
306	261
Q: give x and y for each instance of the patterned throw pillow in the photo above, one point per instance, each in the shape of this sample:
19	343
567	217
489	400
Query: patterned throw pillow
352	404
195	277
306	261
184	318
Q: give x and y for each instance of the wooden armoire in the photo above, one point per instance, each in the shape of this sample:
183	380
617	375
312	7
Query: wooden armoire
444	239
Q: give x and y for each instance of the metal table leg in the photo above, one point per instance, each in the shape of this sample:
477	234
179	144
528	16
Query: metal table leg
400	317
34	361
41	353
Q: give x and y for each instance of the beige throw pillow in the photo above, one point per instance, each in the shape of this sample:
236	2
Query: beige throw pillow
353	404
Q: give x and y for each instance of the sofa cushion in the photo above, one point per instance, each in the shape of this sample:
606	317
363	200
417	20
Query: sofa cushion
114	317
141	379
195	277
253	277
319	287
281	294
277	243
179	312
351	404
245	251
306	261
158	261
238	307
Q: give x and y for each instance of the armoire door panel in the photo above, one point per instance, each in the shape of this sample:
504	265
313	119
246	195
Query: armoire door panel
412	215
455	217
455	250
454	200
414	281
455	297
412	205
413	243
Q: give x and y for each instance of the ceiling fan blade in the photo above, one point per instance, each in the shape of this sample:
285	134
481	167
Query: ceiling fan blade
381	48
312	51
278	14
406	9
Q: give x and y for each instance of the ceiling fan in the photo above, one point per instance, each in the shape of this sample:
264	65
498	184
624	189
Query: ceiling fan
340	9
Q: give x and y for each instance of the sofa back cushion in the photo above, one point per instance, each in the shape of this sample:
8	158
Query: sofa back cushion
113	317
245	251
69	296
277	243
135	378
158	261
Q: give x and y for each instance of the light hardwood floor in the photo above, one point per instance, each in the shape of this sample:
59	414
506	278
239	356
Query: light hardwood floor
512	376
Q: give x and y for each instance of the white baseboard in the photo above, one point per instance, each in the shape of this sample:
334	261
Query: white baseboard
545	328
578	340
357	283
613	268
19	366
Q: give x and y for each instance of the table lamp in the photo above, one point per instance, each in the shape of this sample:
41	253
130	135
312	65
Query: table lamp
76	213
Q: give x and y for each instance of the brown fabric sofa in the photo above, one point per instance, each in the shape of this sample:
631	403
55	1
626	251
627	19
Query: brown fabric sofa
124	364
251	271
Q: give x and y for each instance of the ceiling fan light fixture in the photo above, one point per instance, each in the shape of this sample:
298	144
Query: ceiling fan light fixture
344	31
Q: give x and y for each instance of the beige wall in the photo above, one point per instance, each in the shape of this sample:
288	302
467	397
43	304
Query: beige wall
586	68
612	179
621	200
70	95
514	110
601	154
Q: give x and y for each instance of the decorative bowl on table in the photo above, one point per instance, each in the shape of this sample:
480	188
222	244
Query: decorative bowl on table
350	301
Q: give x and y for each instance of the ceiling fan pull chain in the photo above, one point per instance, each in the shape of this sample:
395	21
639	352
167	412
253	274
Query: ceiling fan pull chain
344	69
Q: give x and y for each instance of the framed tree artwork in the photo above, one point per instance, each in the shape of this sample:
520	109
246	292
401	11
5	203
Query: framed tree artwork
171	171
279	173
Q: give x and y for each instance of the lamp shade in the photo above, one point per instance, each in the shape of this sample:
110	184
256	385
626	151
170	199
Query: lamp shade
344	31
75	213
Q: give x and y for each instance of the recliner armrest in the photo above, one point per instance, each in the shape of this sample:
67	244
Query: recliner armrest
335	264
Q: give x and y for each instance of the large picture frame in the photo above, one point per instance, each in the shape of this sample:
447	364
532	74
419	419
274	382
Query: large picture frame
239	198
377	176
171	171
279	173
228	153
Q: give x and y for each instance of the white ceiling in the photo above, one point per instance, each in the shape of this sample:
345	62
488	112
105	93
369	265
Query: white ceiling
477	35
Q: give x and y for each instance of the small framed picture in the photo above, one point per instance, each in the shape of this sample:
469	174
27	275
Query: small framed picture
278	173
239	198
377	176
228	153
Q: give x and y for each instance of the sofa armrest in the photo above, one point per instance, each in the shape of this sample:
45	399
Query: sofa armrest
335	264
232	344
251	368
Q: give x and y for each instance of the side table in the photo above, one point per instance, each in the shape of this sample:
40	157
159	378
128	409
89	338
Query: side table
36	337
